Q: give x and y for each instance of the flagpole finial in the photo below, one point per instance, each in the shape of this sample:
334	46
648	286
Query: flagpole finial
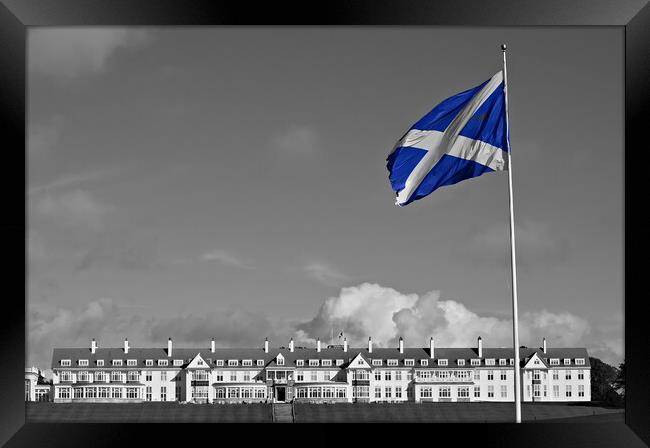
503	47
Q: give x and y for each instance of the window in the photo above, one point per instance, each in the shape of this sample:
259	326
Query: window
424	362
568	375
360	391
148	362
475	362
147	375
426	392
409	376
503	375
580	361
233	362
148	393
490	391
339	362
259	392
388	375
163	375
377	392
91	392
362	375
392	362
200	375
313	362
567	361
581	374
83	362
340	392
131	362
536	392
100	377
512	361
218	376
377	375
117	362
502	362
536	374
326	362
388	392
100	363
179	362
463	392
247	362
163	393
64	392
133	376
445	392
490	375
398	375
247	377
162	362
581	390
279	361
260	362
442	362
376	362
131	392
65	362
398	392
460	362
116	376
556	391
409	362
219	362
555	362
477	391
556	374
489	362
300	376
233	376
477	374
314	375
300	362
568	390
442	374
83	376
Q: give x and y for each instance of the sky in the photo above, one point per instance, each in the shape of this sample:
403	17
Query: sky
231	183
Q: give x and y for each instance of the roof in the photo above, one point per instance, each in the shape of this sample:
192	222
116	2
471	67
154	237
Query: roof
333	353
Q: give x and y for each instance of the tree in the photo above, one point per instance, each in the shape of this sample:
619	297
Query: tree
603	386
619	382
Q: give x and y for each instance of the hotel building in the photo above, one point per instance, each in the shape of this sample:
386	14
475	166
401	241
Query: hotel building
336	373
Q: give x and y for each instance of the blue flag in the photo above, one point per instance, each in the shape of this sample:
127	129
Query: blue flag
462	137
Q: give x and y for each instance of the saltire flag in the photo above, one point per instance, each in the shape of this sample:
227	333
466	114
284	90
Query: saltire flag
462	137
340	335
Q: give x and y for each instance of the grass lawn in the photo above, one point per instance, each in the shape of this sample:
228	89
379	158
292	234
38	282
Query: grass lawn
443	412
147	413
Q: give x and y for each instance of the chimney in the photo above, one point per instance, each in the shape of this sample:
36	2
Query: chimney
318	345
480	347
169	347
93	346
126	346
369	344
212	345
431	348
266	345
345	344
544	345
401	345
291	345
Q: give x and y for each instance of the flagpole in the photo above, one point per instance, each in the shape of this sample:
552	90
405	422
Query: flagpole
515	320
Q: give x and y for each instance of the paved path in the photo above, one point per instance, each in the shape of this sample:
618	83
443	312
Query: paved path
282	413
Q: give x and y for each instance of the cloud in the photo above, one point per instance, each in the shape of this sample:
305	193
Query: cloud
72	180
68	53
41	138
324	273
297	142
225	258
76	208
537	244
128	254
386	314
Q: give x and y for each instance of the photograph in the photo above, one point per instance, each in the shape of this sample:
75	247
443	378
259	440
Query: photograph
325	224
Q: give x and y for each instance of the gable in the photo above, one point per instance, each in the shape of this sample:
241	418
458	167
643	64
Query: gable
198	363
359	362
535	362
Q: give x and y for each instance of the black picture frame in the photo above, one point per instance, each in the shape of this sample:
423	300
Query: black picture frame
17	15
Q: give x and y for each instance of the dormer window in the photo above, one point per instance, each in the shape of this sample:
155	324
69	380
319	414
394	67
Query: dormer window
326	362
260	362
300	362
580	361
100	363
178	362
460	362
555	362
442	362
65	362
409	362
502	362
219	362
148	362
313	363
233	362
512	361
117	362
489	362
83	362
247	362
131	362
392	362
280	360
475	362
162	362
424	362
567	361
339	362
376	362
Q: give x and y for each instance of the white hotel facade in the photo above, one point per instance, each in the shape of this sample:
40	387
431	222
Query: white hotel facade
336	373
